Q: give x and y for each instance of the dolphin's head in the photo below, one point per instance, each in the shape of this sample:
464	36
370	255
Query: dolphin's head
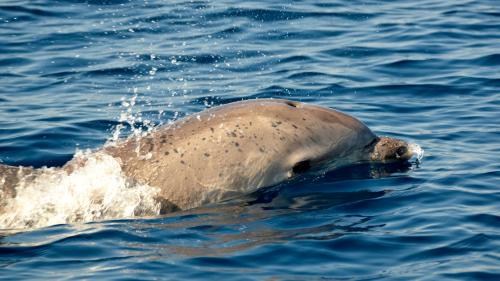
319	138
330	139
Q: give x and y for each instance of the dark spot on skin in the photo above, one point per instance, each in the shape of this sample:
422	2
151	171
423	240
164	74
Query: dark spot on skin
293	125
282	138
250	123
163	141
189	143
226	151
242	137
304	119
274	124
279	122
175	150
166	153
182	155
212	129
237	126
206	154
149	142
203	139
233	134
170	143
182	162
220	175
236	144
166	206
261	149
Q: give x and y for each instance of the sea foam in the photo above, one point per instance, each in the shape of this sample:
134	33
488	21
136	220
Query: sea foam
95	189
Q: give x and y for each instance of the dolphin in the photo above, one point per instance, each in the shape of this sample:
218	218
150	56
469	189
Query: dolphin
237	148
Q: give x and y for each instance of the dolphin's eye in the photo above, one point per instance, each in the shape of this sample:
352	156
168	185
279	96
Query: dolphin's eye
301	167
401	151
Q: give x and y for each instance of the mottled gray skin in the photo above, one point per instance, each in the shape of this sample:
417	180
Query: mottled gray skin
243	146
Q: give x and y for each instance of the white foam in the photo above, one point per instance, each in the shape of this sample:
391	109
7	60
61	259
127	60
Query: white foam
95	190
418	152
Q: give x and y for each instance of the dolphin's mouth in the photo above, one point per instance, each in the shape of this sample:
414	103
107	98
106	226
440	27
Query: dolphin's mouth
417	152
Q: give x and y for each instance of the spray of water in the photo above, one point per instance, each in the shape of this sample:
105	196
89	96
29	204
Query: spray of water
95	190
418	152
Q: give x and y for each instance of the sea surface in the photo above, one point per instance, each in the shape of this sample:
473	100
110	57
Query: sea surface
75	75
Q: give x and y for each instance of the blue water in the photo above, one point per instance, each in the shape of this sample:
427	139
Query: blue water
424	71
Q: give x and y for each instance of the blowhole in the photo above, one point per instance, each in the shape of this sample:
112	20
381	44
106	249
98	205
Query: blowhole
291	103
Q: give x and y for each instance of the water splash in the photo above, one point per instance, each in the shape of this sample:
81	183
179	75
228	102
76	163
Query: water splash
132	117
418	152
95	189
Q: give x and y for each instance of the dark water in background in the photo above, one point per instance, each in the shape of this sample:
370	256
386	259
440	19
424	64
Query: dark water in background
428	72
